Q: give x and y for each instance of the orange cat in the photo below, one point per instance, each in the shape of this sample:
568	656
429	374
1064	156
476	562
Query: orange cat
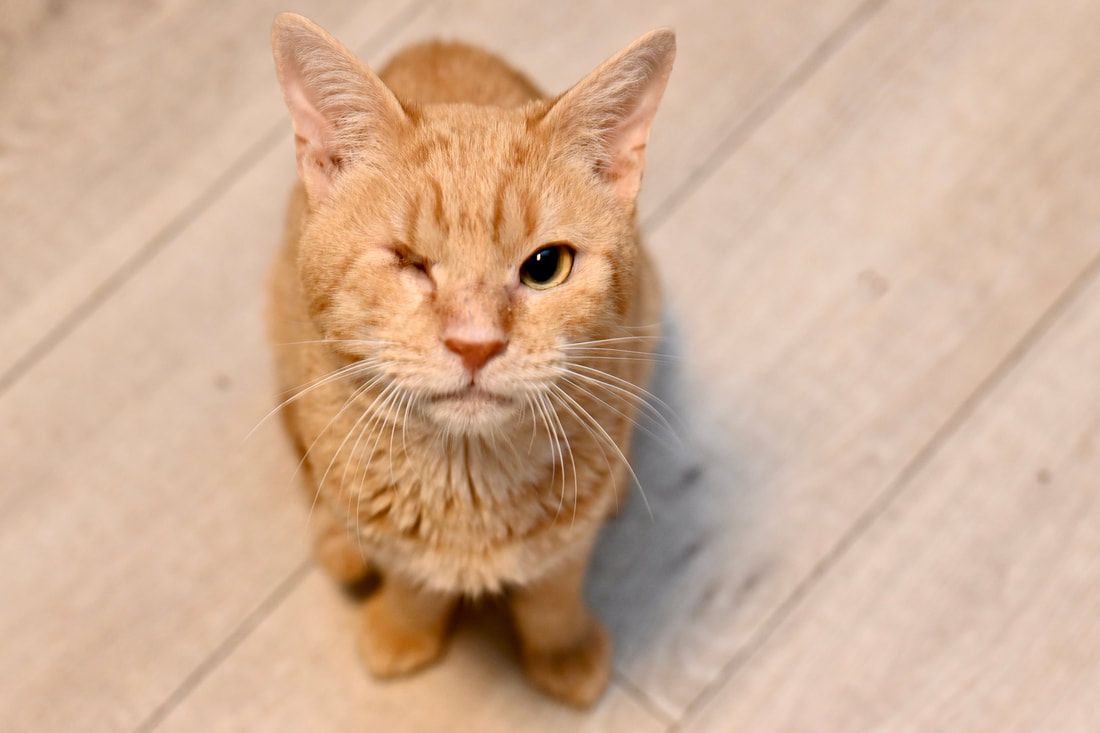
464	315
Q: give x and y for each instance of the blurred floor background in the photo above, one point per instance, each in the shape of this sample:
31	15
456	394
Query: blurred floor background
878	223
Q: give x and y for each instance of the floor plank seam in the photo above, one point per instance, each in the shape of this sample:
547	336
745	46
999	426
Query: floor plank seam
743	131
176	226
895	488
129	267
643	699
228	645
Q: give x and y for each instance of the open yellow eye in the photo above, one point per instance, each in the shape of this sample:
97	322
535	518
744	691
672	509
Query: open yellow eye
548	267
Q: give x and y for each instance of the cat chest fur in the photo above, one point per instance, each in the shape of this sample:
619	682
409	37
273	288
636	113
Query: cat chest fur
469	515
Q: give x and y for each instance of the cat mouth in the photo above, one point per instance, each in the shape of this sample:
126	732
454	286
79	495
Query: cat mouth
471	395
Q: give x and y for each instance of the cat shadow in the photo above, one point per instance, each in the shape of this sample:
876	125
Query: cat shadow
677	542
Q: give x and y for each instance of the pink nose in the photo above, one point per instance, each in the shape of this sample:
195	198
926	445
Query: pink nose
475	353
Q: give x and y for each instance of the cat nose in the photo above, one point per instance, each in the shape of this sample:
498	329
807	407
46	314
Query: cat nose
475	354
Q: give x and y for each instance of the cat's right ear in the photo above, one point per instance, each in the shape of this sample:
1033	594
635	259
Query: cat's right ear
341	111
605	119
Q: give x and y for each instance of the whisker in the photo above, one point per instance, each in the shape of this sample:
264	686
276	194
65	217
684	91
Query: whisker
599	444
347	403
610	440
393	429
372	342
365	362
617	411
365	465
384	396
576	484
616	339
344	371
404	422
640	400
561	455
644	327
534	429
366	414
623	354
552	439
376	426
626	383
647	359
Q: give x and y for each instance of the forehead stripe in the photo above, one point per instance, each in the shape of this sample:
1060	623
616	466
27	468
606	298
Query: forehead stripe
440	214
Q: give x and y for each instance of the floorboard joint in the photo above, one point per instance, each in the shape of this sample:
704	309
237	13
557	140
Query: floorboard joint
642	698
226	647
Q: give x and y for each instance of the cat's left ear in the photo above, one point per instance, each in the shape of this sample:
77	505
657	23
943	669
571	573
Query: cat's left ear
605	119
342	113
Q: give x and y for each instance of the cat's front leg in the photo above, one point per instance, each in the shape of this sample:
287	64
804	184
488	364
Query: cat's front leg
405	627
566	651
336	550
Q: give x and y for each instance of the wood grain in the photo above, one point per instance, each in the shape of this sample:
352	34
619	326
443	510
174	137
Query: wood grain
841	287
974	602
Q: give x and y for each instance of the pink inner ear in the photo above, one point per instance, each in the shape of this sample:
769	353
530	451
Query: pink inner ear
309	124
610	112
333	101
313	133
628	145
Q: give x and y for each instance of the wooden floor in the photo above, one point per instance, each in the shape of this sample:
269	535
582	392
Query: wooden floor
878	222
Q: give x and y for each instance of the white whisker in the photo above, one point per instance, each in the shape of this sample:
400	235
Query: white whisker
610	440
552	440
354	368
568	447
366	414
371	342
561	455
599	444
347	403
616	410
365	465
617	339
642	396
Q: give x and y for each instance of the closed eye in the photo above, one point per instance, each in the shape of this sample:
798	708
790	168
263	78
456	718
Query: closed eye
406	258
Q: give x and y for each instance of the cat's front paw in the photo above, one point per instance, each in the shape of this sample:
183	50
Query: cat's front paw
392	648
578	674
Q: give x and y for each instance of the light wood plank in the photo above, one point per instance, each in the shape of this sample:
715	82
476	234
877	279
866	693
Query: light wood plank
125	479
840	288
973	604
298	672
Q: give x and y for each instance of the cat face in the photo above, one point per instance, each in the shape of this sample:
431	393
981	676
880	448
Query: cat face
462	250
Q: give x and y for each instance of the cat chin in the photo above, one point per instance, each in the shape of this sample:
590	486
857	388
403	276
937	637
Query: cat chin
473	416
